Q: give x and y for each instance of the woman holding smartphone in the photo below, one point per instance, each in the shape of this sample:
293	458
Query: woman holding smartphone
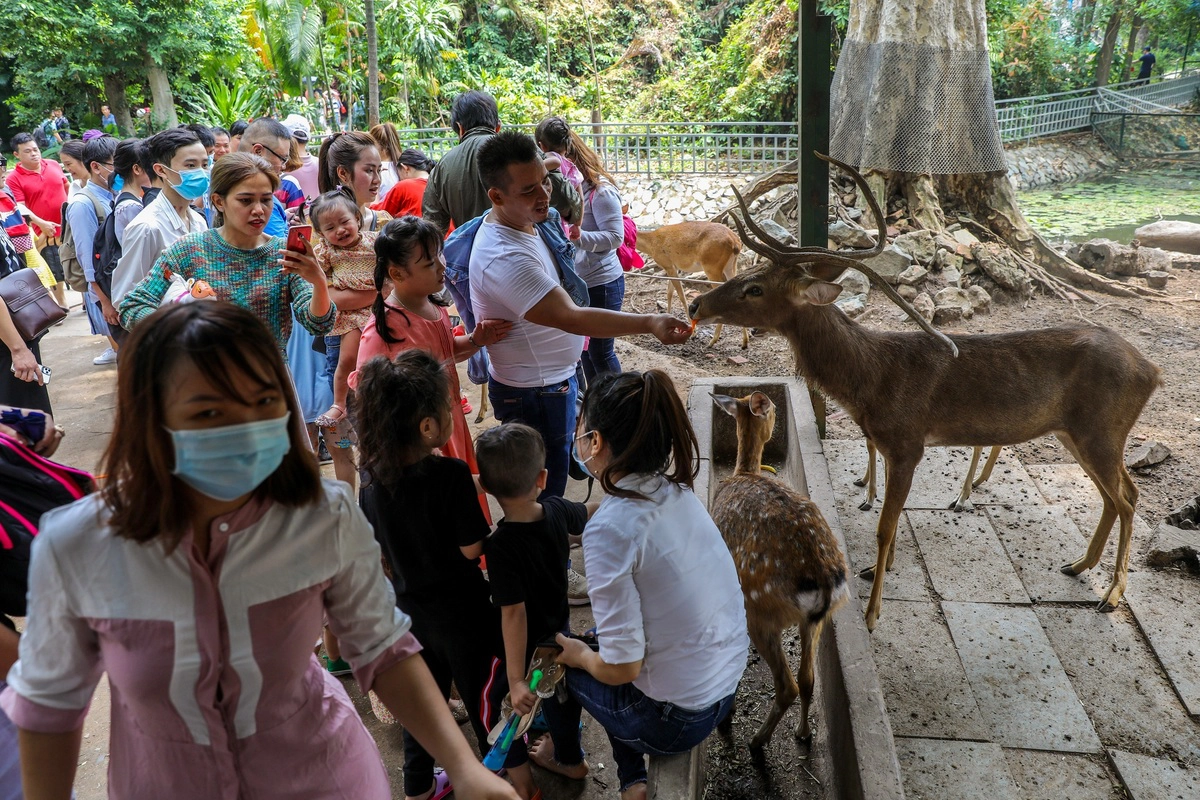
239	261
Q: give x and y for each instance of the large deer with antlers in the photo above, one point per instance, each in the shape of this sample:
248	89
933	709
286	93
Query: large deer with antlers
1085	384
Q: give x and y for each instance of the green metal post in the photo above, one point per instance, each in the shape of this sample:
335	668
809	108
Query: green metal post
813	106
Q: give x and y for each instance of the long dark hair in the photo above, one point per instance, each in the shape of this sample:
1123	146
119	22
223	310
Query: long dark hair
395	245
553	133
225	342
391	400
647	429
340	150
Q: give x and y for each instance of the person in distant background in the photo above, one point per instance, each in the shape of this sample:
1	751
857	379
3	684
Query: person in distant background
1147	60
235	134
39	188
107	118
221	143
405	197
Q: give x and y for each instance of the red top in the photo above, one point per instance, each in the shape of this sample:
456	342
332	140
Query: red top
42	192
404	198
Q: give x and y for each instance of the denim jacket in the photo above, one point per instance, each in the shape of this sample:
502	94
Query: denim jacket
457	251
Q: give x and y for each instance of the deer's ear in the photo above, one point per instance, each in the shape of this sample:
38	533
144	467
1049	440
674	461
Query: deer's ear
726	404
822	293
760	404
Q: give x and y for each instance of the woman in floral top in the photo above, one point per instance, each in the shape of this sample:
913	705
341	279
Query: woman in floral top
240	262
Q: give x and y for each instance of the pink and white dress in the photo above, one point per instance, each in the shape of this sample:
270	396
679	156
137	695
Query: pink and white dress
216	692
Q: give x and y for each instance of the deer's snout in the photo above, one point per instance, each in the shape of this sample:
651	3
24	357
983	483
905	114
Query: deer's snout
694	309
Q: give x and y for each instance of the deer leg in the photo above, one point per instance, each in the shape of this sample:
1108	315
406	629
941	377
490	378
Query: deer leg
988	466
483	404
964	497
810	635
898	478
716	335
769	644
1104	464
868	480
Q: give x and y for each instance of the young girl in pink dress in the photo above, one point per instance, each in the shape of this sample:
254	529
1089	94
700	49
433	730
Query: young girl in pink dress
409	255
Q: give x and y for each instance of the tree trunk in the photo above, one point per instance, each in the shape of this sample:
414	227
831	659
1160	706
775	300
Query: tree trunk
114	92
1109	46
1135	25
372	67
1083	21
162	110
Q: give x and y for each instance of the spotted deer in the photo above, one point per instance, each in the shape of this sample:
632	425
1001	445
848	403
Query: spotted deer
1083	383
790	566
691	247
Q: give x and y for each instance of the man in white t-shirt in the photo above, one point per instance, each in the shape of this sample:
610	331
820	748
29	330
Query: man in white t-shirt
515	277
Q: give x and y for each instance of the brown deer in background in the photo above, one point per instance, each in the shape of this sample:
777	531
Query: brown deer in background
790	566
1085	384
691	247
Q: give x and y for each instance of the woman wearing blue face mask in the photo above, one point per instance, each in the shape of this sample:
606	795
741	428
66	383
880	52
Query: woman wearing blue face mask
670	618
197	579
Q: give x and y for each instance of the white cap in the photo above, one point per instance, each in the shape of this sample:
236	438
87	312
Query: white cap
298	126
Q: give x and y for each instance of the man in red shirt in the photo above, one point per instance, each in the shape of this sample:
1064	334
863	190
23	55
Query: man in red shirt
40	189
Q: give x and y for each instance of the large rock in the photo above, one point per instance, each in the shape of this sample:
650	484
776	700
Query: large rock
1147	454
776	231
853	282
1157	279
853	306
918	244
981	301
996	264
951	305
1173	235
890	263
923	305
1106	257
913	275
909	293
847	235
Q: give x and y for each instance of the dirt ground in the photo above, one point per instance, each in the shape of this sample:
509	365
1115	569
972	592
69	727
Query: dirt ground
1168	333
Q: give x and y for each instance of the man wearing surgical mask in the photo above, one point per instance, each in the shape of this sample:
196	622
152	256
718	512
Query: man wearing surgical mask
179	163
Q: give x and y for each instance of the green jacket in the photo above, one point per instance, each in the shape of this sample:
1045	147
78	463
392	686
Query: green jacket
456	194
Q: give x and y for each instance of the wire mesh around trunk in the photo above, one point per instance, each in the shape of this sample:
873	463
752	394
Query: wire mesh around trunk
907	107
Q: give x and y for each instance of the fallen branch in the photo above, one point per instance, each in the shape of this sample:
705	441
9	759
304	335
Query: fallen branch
783	176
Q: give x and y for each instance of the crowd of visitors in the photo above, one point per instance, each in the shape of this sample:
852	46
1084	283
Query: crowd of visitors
268	310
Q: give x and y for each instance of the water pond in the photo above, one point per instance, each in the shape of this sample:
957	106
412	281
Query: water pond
1114	205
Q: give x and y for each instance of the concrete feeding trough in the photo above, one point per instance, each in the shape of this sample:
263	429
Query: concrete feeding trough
853	736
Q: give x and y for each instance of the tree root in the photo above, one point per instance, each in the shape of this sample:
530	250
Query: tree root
783	176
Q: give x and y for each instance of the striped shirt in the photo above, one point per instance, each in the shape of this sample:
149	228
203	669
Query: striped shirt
251	279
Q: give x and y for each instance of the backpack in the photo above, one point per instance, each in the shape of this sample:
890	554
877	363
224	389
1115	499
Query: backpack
72	269
29	487
106	250
40	138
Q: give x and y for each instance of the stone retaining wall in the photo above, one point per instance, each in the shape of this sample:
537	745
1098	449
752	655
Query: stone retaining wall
666	199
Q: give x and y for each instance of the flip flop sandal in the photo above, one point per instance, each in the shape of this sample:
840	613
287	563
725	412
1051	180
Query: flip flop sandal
441	785
326	421
505	714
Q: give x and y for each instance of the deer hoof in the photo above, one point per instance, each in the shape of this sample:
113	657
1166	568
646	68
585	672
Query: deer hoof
867	574
1109	602
960	506
758	742
860	481
804	733
872	619
866	504
1069	569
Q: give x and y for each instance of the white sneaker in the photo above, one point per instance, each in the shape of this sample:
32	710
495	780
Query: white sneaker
109	356
577	587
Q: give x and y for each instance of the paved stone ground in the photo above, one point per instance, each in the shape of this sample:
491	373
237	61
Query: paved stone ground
1001	680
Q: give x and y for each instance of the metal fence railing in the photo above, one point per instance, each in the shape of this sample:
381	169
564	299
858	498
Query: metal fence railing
661	148
1030	117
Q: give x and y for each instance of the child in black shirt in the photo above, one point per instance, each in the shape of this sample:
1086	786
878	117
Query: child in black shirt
426	514
527	554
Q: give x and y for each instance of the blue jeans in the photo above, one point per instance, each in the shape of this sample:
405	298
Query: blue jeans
636	725
550	410
333	350
600	356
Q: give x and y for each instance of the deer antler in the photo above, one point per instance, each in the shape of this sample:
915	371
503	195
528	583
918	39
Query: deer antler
800	257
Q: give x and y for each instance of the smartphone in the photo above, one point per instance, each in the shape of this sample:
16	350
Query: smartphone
299	237
46	373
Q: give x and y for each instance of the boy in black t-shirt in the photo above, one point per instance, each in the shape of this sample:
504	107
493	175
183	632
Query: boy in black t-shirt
527	554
